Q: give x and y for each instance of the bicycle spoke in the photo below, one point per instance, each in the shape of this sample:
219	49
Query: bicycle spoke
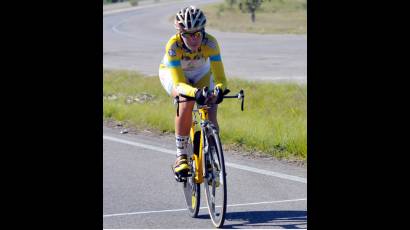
192	190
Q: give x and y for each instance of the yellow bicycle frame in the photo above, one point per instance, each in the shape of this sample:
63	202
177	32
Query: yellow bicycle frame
197	157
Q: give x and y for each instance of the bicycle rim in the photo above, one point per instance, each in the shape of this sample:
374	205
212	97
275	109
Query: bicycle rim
192	196
192	192
215	182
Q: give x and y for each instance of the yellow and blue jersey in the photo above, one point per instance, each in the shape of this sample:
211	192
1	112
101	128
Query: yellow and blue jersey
191	70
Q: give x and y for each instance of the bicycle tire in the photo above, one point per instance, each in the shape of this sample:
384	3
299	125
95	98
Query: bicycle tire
192	190
216	203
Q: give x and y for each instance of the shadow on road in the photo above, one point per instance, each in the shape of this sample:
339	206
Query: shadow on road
279	219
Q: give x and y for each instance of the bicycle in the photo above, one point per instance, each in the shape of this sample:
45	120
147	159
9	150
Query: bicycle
206	162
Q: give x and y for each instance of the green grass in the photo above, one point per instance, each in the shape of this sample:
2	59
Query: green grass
273	17
274	120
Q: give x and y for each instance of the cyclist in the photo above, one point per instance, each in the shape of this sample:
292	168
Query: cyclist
191	62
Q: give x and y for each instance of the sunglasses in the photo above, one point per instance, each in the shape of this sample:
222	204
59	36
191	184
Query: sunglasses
196	34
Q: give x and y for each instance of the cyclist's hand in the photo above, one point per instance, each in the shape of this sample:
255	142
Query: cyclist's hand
218	92
200	97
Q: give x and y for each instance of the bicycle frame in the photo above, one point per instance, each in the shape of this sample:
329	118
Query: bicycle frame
207	165
203	111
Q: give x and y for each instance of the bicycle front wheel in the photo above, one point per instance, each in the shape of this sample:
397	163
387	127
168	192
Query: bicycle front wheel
215	180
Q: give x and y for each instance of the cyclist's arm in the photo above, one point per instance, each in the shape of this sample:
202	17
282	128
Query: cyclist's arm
173	62
217	66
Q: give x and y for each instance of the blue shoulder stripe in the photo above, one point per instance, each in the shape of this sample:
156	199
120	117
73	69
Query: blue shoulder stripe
175	63
215	58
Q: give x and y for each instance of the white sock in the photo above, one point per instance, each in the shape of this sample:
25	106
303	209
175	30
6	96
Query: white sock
182	143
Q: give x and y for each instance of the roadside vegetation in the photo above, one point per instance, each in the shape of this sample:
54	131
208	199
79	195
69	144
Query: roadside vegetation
274	121
262	17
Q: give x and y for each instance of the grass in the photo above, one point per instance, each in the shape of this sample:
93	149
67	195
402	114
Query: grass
274	120
273	17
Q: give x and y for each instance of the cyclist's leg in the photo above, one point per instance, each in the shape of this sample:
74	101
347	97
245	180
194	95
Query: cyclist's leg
182	122
212	115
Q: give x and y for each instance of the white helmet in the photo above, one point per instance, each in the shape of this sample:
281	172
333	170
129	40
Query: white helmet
189	19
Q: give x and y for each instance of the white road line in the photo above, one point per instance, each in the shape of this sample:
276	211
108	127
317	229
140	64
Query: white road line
115	27
159	149
184	209
232	165
116	30
136	213
267	202
266	172
108	12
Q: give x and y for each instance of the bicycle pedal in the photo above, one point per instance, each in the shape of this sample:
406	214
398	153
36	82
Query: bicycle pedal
181	177
184	174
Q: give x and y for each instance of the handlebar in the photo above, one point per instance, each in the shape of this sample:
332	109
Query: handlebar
240	95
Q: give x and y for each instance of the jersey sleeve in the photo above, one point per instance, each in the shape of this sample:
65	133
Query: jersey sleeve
217	66
172	61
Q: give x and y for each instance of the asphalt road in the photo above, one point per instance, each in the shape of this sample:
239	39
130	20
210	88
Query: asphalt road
136	39
140	191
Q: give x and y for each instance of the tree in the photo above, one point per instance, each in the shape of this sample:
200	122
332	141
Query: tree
252	6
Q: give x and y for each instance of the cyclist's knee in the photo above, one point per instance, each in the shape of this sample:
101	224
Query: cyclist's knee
187	106
185	110
213	112
213	115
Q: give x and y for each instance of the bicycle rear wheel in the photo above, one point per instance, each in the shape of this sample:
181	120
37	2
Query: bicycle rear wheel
192	190
215	180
